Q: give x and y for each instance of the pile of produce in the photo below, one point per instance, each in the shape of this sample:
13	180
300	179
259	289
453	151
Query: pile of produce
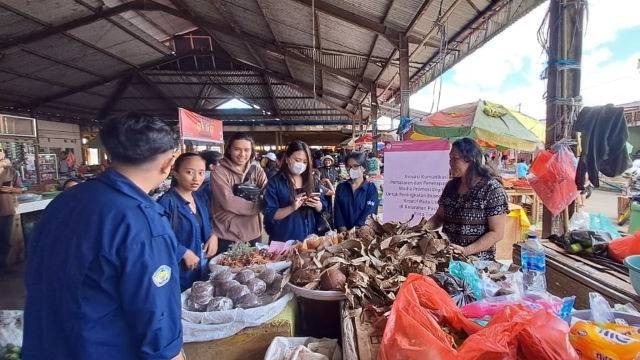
242	254
226	289
369	264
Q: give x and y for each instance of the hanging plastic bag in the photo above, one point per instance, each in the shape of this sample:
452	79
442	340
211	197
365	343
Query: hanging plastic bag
600	309
554	179
580	221
619	249
467	273
414	330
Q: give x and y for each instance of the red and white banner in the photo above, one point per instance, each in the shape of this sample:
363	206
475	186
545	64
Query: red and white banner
415	173
200	128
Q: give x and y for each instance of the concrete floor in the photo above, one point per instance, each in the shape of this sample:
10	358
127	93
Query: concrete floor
13	291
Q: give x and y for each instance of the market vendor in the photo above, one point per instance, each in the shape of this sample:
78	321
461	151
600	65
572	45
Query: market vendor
11	185
293	202
236	214
102	276
473	205
189	218
356	198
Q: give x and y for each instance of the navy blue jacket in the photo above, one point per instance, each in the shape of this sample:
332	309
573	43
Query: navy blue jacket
352	209
102	277
296	226
191	234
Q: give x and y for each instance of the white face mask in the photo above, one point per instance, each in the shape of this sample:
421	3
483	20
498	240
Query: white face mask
297	168
355	173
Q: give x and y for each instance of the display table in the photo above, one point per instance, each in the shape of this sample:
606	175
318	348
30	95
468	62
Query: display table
249	344
517	196
569	275
32	206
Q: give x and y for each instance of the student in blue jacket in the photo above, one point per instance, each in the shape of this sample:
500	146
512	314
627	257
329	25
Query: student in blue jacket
356	198
189	218
102	276
293	205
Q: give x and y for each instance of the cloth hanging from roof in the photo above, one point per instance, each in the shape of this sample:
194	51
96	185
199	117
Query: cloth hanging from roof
604	137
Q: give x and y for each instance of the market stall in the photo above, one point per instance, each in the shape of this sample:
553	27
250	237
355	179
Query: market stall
199	133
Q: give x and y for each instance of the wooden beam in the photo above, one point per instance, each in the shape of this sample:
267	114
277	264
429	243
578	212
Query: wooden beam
103	13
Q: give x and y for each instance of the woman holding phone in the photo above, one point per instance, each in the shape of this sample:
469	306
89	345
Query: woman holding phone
293	205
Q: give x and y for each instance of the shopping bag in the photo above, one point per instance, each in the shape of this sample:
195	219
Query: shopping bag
414	330
554	179
619	249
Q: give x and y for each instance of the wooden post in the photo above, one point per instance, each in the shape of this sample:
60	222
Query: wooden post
563	84
373	118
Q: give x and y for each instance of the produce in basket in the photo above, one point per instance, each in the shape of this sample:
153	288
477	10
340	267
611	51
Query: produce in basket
374	259
202	288
224	275
236	292
276	285
222	287
242	254
220	303
267	275
244	275
215	269
247	301
256	286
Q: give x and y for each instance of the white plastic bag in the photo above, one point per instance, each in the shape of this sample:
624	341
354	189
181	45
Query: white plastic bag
11	327
303	348
205	326
580	221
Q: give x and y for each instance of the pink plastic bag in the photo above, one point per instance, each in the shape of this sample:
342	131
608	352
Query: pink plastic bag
554	179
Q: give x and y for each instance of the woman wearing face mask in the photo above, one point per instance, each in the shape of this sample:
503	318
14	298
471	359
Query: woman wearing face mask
356	198
293	203
237	218
189	218
473	205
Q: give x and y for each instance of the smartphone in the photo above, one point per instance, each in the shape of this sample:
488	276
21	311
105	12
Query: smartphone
315	194
6	183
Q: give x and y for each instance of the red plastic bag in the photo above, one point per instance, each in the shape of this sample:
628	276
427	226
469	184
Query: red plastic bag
619	249
554	179
413	330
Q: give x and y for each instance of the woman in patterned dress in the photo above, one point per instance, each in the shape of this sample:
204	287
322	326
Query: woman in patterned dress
473	205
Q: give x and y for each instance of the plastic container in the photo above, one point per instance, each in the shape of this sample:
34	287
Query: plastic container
634	225
533	265
632	320
633	263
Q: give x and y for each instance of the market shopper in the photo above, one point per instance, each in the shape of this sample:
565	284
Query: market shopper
522	169
357	198
70	183
293	202
271	165
102	276
11	184
236	212
189	218
473	205
212	159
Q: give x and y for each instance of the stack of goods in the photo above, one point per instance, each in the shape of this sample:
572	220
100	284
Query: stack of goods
242	254
226	289
371	263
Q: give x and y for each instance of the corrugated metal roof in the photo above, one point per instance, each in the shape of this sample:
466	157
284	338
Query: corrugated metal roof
82	68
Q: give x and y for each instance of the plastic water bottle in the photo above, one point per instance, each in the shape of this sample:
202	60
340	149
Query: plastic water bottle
533	265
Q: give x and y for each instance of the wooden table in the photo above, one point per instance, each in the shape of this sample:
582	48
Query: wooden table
516	196
569	275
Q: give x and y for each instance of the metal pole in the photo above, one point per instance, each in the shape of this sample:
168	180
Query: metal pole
373	118
403	69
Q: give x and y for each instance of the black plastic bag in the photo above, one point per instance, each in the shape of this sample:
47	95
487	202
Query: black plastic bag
459	290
